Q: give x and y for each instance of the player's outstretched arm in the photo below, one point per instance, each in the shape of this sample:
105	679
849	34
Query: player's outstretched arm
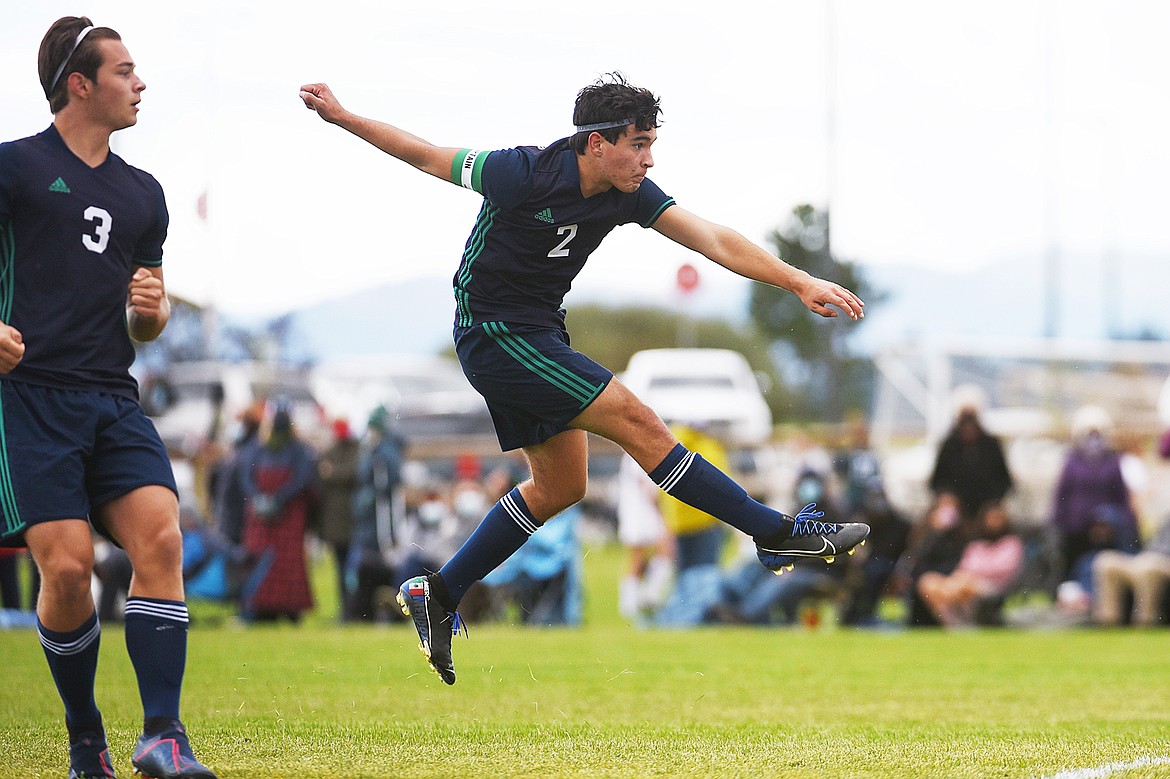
396	142
731	250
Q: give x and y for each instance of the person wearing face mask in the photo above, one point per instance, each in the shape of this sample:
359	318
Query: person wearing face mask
282	488
990	563
870	569
935	545
430	532
750	595
378	511
1091	507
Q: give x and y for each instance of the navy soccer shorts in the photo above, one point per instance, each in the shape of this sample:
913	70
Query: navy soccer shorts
533	382
65	452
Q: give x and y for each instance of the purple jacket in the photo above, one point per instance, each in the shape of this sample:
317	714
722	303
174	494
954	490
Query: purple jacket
1087	484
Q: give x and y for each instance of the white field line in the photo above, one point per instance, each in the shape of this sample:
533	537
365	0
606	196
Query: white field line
1109	769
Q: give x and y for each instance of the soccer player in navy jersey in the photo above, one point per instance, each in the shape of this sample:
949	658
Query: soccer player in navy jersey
81	236
545	209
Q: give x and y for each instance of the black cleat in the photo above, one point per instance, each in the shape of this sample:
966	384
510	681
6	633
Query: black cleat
168	755
435	625
810	537
89	755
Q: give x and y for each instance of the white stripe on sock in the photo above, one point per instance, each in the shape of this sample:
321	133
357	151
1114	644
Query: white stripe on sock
517	515
176	612
79	644
676	474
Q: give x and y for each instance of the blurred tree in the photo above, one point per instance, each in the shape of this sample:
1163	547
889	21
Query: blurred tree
813	352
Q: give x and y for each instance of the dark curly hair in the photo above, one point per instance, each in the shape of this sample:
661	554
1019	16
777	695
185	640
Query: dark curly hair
612	98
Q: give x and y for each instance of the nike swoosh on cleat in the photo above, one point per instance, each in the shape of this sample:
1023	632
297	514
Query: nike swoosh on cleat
826	549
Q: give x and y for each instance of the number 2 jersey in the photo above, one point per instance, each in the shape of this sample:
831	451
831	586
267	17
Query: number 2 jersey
535	231
71	237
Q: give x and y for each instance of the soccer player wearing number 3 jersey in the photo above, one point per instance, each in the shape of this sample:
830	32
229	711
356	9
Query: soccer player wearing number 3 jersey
81	237
544	212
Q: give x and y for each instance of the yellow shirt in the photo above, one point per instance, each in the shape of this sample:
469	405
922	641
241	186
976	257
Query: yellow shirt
680	518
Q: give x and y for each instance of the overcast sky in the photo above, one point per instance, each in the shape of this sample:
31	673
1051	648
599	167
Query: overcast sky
965	134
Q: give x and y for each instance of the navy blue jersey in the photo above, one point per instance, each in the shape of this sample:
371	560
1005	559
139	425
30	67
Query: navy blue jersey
535	231
71	237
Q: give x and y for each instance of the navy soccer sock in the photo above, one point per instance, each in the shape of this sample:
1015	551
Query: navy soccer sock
504	530
73	659
156	640
687	476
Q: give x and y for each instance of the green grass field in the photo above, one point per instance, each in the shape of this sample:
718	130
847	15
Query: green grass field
608	700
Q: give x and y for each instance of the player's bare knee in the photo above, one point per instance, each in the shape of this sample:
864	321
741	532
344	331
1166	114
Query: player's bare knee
159	550
67	576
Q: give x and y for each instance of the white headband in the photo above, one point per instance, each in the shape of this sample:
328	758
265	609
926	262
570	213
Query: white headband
57	76
588	128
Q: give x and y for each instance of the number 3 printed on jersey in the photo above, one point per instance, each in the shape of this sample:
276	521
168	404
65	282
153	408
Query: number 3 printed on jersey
101	229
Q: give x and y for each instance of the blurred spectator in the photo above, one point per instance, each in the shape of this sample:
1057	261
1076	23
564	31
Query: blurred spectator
1143	577
282	491
112	569
698	536
752	594
378	511
229	498
649	550
208	559
437	527
10	588
970	463
1091	508
543	577
337	469
935	545
989	565
695	536
857	467
871	567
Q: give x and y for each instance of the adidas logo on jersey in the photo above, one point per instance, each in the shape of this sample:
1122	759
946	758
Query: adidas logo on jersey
59	185
545	216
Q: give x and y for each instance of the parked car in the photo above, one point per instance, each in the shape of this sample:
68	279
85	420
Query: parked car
714	387
429	395
191	402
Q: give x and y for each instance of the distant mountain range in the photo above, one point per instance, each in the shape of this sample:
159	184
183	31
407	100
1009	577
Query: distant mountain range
1000	301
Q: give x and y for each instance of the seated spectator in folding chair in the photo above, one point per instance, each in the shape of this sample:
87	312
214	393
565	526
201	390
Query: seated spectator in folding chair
753	595
871	568
1143	578
989	566
543	577
935	546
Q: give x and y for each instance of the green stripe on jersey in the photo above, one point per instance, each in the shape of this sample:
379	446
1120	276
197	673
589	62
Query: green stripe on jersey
10	521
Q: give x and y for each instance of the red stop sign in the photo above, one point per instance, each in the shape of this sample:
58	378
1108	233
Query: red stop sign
688	277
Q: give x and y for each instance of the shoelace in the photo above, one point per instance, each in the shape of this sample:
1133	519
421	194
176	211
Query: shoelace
807	524
457	625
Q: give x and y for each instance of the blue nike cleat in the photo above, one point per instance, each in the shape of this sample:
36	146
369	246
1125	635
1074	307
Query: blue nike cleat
89	755
435	625
168	755
810	537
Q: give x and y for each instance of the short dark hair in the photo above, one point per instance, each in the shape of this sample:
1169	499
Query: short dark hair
55	53
613	98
